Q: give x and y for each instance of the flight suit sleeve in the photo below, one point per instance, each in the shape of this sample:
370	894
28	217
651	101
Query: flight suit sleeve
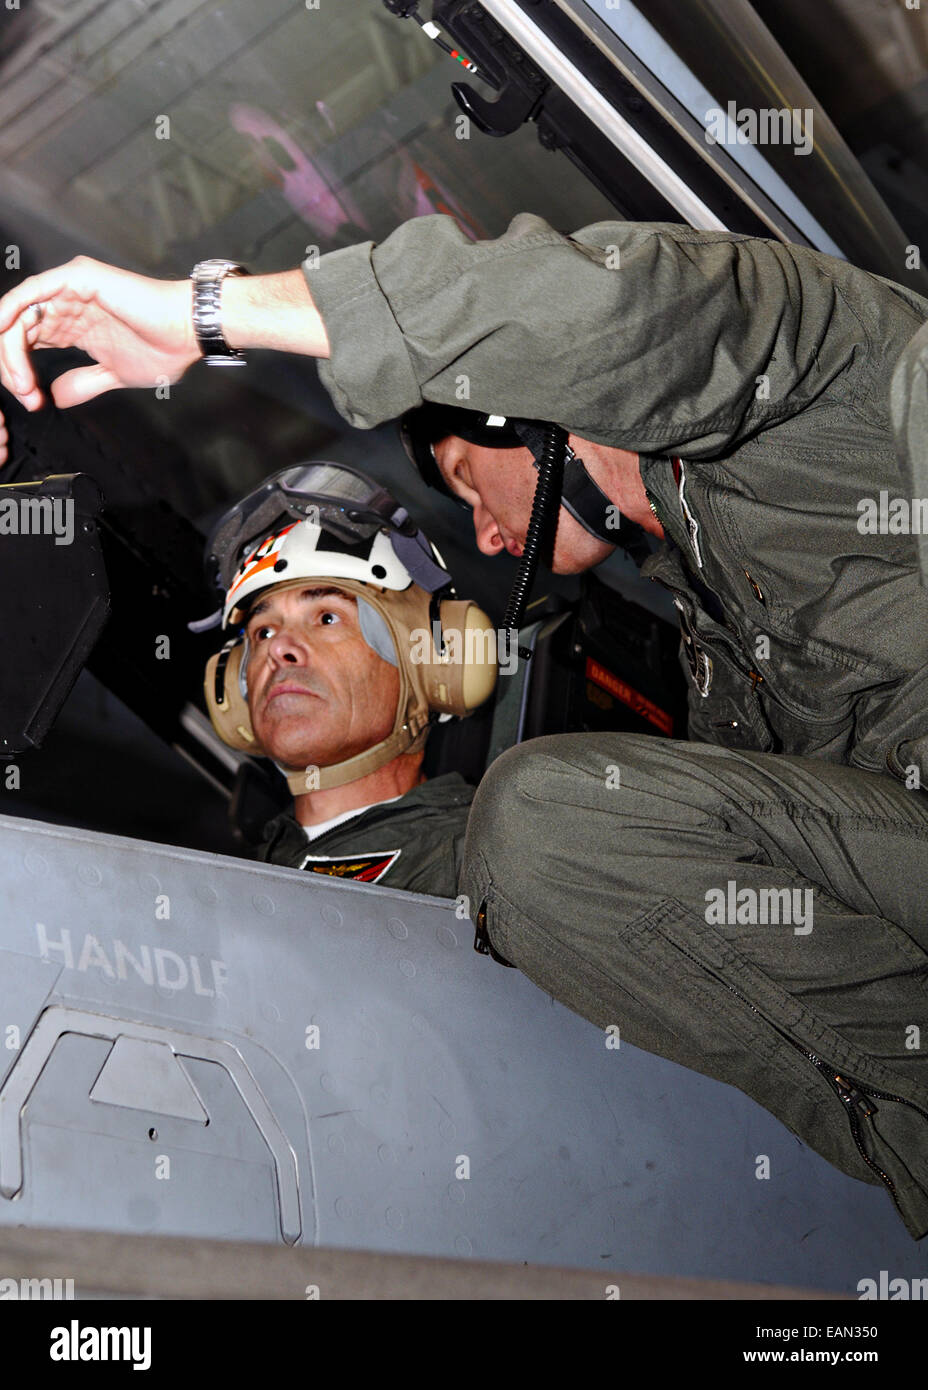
652	337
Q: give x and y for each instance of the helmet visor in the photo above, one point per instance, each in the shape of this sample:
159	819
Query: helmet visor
346	503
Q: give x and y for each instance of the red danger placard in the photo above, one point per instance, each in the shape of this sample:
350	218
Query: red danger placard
629	696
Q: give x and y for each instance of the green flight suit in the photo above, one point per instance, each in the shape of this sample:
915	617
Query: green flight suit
415	842
663	886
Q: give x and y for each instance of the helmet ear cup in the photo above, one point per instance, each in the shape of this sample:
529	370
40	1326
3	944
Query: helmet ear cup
225	704
460	677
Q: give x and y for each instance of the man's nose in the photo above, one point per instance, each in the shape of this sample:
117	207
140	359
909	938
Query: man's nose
289	646
489	540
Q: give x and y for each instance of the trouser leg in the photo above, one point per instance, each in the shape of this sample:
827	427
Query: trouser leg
628	877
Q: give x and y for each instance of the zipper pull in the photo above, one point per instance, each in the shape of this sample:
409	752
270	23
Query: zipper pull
756	589
852	1096
482	943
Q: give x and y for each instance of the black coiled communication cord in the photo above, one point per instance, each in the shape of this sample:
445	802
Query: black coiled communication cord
541	527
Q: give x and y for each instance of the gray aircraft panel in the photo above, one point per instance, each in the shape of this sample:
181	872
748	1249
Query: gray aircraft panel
369	1082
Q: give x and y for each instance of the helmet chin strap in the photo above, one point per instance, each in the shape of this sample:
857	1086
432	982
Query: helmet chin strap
580	493
319	779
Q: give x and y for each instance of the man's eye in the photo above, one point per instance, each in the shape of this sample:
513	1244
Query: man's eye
265	630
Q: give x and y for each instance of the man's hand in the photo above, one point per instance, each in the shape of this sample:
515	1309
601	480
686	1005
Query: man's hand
138	330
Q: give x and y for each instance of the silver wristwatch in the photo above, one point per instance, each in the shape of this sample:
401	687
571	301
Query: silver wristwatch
207	277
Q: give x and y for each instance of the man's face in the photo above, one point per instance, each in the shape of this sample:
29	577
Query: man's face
499	485
317	693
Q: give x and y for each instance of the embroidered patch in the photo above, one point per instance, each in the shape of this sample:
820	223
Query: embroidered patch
366	868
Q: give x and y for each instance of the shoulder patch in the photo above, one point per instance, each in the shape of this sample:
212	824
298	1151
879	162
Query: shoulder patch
366	868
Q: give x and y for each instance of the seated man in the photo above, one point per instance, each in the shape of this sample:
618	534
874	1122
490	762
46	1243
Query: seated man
337	601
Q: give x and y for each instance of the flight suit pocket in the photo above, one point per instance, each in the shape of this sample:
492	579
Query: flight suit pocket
723	702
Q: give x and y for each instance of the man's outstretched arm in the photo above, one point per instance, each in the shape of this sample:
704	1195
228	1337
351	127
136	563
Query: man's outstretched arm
139	330
653	338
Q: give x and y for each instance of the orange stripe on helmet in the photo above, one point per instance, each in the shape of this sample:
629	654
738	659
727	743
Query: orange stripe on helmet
251	568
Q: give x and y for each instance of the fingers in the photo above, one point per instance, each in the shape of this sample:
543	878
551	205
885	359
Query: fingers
82	384
135	328
16	324
4	442
16	372
33	290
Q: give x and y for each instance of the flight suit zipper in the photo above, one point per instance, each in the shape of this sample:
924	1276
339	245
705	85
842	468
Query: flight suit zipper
698	659
848	1089
482	943
700	663
692	525
689	520
656	513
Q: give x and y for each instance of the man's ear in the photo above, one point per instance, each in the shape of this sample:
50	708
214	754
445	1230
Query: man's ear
453	455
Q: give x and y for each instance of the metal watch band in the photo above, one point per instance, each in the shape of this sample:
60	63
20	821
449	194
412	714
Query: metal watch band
207	278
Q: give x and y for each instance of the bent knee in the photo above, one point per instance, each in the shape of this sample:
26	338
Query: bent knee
569	770
523	800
